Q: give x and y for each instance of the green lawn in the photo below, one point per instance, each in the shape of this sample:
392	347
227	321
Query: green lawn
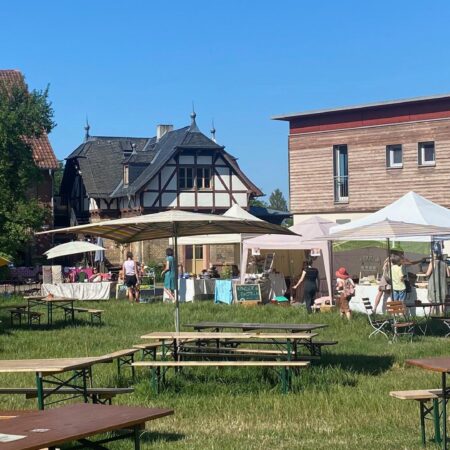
341	402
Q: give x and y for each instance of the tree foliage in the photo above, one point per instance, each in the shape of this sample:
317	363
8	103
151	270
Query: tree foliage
277	201
23	116
258	202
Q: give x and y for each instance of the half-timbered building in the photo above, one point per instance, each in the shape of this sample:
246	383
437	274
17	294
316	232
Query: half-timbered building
112	177
347	162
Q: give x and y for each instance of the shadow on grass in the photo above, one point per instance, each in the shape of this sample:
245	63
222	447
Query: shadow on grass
358	363
156	436
44	326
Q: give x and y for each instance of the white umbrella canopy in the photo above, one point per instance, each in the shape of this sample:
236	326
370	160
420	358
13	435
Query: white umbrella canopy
173	223
72	248
388	229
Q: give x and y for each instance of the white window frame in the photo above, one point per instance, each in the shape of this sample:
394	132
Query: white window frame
390	150
421	154
184	178
203	178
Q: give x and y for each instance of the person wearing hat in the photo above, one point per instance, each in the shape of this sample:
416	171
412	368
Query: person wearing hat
346	288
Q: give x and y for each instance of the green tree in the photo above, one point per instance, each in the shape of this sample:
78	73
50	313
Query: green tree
23	116
277	201
258	202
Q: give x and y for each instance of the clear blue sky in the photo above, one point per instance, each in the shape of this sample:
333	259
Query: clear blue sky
131	65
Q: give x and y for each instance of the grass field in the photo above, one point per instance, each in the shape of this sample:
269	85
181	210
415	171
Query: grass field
342	402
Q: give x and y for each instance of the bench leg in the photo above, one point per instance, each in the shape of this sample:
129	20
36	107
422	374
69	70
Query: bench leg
422	411
137	439
436	419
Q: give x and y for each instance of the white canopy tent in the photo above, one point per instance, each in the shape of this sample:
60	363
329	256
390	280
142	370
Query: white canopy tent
234	238
310	229
411	208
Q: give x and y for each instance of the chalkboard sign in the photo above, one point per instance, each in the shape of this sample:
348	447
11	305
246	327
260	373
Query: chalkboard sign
248	292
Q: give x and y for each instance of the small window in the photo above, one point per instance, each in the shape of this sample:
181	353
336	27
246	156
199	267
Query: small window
186	178
427	155
125	176
394	156
203	178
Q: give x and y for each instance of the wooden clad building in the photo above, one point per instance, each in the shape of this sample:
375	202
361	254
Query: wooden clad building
347	162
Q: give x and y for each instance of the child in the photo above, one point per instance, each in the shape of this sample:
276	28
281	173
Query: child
398	279
346	288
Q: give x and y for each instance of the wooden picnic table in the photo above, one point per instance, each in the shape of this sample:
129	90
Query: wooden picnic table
249	326
46	369
442	366
428	308
50	303
53	427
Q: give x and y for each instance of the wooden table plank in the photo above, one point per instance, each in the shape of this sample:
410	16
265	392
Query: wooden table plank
73	422
258	326
166	335
440	364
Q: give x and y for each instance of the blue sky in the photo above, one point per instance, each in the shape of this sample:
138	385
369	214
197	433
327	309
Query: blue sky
131	65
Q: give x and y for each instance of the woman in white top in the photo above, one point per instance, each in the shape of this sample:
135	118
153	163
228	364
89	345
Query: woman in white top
131	275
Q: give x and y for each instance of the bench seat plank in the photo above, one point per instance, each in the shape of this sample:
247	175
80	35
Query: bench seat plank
221	363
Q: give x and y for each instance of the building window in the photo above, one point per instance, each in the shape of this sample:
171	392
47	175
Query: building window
340	159
186	177
394	156
125	176
427	156
203	178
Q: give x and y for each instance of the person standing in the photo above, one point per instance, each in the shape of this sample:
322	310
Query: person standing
131	275
169	275
310	275
398	279
437	274
346	288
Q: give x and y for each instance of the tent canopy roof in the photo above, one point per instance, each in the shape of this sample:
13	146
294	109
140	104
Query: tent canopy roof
411	208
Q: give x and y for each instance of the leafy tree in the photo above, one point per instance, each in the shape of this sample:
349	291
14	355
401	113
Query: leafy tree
257	202
23	116
277	201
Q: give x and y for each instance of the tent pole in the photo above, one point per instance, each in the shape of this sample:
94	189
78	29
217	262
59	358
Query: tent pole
390	266
331	264
434	270
177	302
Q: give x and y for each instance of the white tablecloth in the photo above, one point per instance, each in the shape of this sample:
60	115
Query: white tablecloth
193	289
80	291
370	292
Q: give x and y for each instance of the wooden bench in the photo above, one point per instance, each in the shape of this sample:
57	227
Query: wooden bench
424	396
148	349
97	395
239	352
314	347
124	358
18	313
95	314
283	365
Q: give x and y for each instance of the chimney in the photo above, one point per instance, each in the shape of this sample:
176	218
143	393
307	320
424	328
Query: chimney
161	130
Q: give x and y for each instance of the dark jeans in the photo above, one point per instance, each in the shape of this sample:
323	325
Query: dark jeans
309	294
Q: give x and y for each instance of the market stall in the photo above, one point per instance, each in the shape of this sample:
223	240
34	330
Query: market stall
307	230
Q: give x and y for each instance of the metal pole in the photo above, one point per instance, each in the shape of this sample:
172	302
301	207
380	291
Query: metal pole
40	390
390	266
433	268
177	302
444	410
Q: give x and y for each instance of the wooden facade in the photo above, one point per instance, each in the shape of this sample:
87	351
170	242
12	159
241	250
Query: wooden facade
366	133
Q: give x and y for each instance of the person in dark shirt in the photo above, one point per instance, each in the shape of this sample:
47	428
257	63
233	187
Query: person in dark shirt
310	276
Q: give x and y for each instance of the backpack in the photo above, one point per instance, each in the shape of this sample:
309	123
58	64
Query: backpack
349	288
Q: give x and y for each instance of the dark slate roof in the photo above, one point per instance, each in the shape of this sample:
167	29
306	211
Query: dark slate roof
101	160
269	215
43	154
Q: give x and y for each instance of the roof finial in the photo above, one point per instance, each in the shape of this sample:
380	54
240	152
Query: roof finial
213	131
87	128
193	128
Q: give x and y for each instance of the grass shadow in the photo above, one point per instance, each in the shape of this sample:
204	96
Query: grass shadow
358	363
157	436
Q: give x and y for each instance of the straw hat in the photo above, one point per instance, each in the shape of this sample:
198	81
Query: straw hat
342	273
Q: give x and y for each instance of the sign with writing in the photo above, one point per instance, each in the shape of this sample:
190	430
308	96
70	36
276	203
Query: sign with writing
248	292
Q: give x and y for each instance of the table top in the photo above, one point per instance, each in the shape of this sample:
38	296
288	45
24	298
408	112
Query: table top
258	326
219	335
425	304
441	364
49	365
38	298
73	422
